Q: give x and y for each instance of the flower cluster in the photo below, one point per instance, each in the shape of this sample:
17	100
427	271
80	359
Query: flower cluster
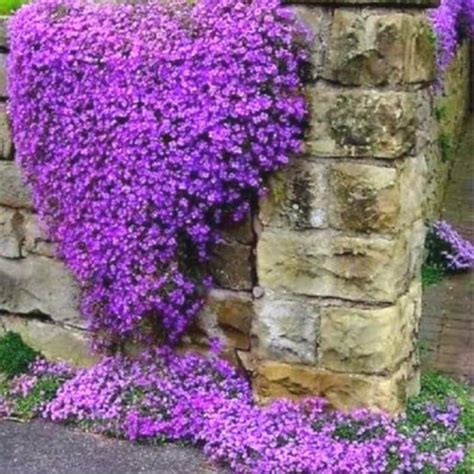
141	128
164	396
447	248
452	20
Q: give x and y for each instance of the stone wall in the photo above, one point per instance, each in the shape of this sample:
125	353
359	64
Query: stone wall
318	291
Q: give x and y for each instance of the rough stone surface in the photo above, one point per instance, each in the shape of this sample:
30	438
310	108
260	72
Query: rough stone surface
11	232
297	197
373	341
354	122
231	266
3	75
41	285
343	391
286	328
54	341
226	316
327	263
374	49
6	147
13	193
35	241
3	33
241	232
365	198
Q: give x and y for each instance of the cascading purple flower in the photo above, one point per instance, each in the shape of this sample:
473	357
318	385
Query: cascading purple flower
455	252
141	128
452	20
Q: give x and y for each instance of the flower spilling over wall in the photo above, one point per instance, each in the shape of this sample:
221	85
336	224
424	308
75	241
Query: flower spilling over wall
452	21
161	396
448	249
141	129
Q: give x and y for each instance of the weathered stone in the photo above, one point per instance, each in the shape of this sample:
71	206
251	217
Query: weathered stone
327	263
6	146
241	232
412	176
375	49
286	328
3	75
343	391
39	284
35	241
364	198
231	266
354	122
11	232
3	33
226	316
371	341
54	341
13	192
297	197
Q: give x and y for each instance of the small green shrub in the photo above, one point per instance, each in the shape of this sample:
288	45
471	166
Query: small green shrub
43	392
431	274
15	355
9	6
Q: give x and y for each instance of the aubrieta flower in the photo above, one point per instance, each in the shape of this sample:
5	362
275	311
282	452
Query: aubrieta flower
141	128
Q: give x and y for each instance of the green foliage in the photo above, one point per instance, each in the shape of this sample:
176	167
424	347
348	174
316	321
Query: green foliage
439	389
446	146
431	274
9	6
15	355
440	112
43	391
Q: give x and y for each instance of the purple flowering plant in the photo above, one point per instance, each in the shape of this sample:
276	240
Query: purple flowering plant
163	396
141	129
452	21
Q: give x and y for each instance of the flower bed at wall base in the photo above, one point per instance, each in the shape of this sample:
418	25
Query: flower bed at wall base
162	396
140	129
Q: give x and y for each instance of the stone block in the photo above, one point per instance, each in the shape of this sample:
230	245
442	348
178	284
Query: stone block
343	391
3	75
35	239
6	145
241	232
54	341
364	198
286	328
369	340
40	285
361	123
231	266
331	264
3	33
226	316
378	49
13	192
297	197
11	232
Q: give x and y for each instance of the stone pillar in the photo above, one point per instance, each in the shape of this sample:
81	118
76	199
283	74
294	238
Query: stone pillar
341	234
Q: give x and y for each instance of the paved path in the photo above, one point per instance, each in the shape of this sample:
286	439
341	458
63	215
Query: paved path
47	448
447	326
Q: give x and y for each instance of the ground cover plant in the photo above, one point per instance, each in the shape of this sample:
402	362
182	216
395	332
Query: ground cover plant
141	128
446	252
153	398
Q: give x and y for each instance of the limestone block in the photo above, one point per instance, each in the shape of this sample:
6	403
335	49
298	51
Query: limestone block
6	146
13	192
54	341
331	264
377	49
369	340
3	33
297	197
231	266
343	391
38	284
412	176
286	329
3	75
11	232
35	239
358	123
226	316
364	198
